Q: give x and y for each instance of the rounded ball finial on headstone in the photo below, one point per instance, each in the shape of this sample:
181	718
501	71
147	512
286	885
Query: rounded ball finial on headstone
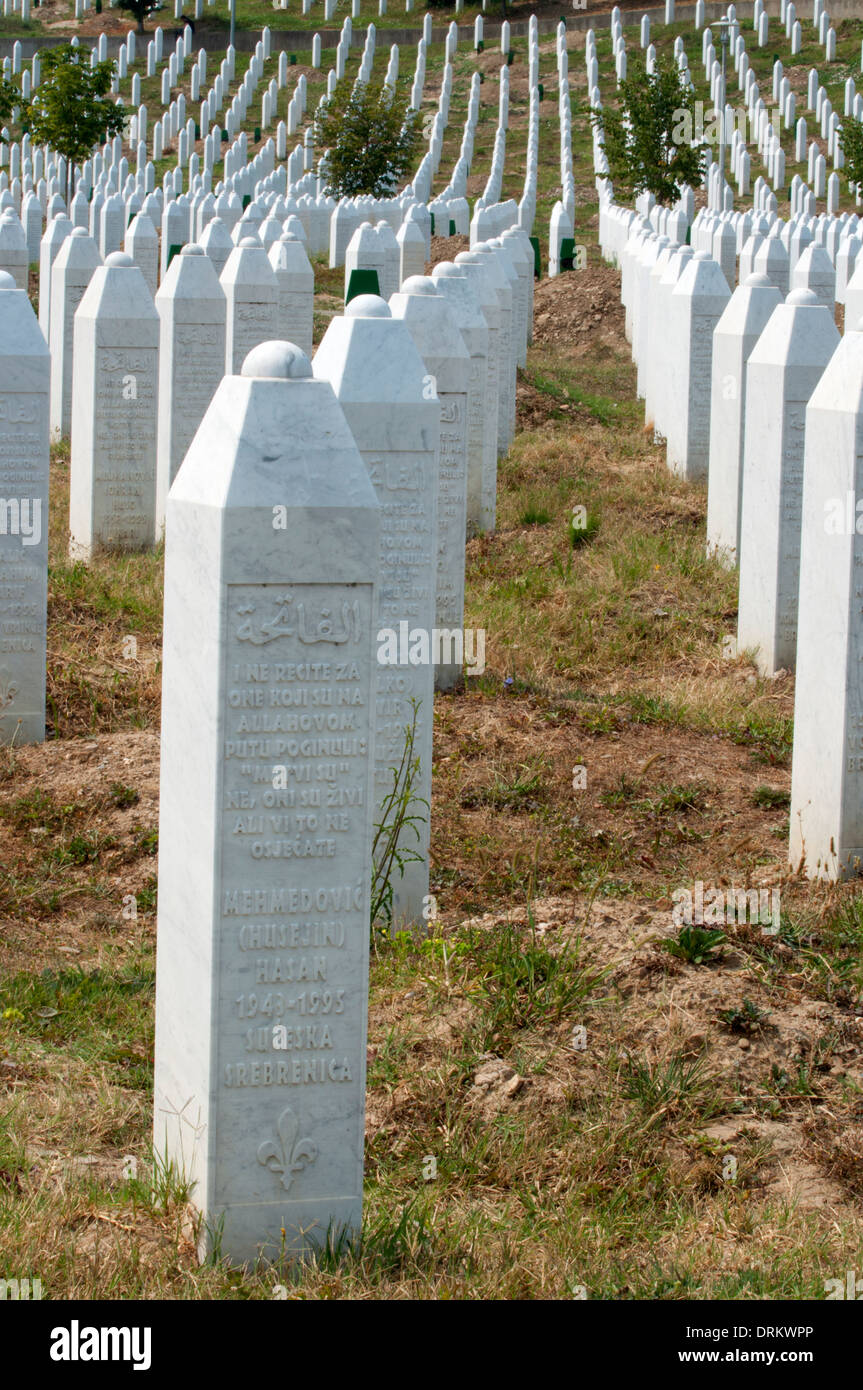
802	297
277	361
192	249
756	281
79	231
119	258
419	284
289	236
368	306
702	256
7	281
249	241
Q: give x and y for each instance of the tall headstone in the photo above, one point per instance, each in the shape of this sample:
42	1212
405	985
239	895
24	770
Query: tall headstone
784	368
827	760
734	337
252	292
265	824
379	378
71	273
474	267
142	244
296	281
14	256
55	234
112	486
24	380
192	313
433	327
463	297
696	305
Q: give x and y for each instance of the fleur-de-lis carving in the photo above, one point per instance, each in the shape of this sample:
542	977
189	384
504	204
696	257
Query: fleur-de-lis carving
291	1154
8	691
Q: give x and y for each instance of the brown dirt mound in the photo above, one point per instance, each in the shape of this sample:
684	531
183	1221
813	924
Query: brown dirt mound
446	248
577	303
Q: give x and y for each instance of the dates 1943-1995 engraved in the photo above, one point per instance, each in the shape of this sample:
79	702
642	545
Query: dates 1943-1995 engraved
291	1154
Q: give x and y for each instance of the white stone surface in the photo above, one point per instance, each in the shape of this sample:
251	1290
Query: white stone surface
142	244
462	294
55	234
380	381
24	382
696	305
112	487
192	313
434	329
71	273
784	368
252	292
734	337
296	281
827	761
14	256
263	892
475	268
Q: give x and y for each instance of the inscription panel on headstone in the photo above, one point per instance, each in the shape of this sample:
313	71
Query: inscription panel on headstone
23	564
295	815
407	543
123	474
451	510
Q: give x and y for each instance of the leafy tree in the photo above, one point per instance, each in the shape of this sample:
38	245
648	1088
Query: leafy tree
851	140
371	136
71	109
10	97
648	137
138	9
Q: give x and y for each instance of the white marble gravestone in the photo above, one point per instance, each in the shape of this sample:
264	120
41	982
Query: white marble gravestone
192	313
14	255
265	824
696	305
433	326
734	337
142	244
827	760
784	368
814	271
372	364
24	384
55	234
463	297
112	476
412	254
296	281
215	241
252	292
71	273
475	268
